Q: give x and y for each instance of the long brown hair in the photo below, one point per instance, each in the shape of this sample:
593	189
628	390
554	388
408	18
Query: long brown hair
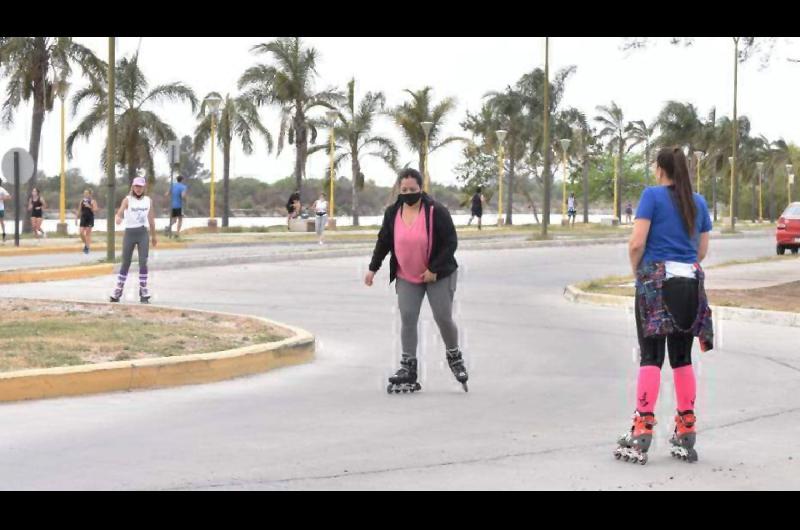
673	162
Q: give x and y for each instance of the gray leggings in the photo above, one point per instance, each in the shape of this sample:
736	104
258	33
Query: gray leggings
134	237
440	297
319	223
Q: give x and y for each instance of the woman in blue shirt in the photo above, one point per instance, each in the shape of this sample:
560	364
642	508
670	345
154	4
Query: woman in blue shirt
669	240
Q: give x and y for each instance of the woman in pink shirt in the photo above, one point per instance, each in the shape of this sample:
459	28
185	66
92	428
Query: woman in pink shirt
422	239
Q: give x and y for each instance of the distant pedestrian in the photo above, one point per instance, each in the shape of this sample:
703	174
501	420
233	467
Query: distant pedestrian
85	217
4	196
320	208
628	212
293	207
37	205
178	203
477	206
571	210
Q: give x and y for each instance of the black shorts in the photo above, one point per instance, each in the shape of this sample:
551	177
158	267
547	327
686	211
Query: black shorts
87	221
177	212
36	215
477	213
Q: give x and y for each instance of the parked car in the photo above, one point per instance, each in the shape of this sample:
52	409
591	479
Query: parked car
787	234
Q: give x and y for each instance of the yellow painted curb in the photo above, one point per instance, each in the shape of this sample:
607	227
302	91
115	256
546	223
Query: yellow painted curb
73	249
63	273
160	372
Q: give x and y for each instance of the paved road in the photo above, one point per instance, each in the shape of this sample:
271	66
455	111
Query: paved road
552	384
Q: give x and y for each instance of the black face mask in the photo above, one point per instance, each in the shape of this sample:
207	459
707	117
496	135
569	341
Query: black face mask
411	198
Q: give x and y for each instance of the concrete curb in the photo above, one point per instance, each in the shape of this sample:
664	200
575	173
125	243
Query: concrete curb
160	372
775	318
62	273
72	249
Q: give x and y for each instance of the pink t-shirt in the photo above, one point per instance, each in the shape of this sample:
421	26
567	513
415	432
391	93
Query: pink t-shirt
411	247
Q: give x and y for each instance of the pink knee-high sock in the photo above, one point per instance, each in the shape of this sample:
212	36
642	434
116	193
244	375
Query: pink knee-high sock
647	388
685	387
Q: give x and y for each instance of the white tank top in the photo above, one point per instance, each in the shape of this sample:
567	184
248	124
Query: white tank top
322	206
138	212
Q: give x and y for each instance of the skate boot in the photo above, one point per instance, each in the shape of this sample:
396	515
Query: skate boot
114	299
634	444
144	296
684	437
456	362
405	380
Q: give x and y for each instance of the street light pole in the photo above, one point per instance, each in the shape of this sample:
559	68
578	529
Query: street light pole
546	138
616	188
789	180
213	105
332	114
760	168
501	138
62	203
699	155
564	147
426	127
110	158
735	130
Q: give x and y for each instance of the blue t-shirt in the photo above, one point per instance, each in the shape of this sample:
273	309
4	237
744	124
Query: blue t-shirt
667	239
177	189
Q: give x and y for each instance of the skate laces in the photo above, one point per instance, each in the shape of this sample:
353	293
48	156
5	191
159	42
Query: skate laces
684	422
643	422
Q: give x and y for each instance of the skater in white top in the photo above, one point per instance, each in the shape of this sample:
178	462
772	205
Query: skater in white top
137	212
320	207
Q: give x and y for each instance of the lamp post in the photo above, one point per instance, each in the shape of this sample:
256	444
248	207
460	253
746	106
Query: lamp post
699	156
789	182
110	158
332	115
426	127
760	169
616	188
735	128
213	106
546	138
732	163
62	88
564	147
501	138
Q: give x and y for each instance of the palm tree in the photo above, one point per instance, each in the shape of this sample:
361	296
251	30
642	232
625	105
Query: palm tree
583	141
289	85
353	136
641	133
138	131
614	128
410	115
33	67
238	117
680	125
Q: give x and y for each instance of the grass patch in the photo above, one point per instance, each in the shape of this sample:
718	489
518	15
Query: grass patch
51	334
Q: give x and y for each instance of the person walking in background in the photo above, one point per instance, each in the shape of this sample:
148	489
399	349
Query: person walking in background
628	212
85	217
4	196
669	240
293	207
572	212
178	203
320	208
37	205
477	206
137	212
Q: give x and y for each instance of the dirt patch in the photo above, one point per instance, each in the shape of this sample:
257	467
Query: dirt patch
39	334
784	297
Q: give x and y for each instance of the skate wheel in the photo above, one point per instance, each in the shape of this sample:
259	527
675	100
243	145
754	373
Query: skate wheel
466	388
643	459
626	457
617	455
405	390
389	389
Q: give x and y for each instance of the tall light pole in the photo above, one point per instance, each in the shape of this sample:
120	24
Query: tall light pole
110	158
213	106
564	147
616	188
760	169
735	129
501	138
331	115
426	127
731	162
546	138
699	156
62	88
789	181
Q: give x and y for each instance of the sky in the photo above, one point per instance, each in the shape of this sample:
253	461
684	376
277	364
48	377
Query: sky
464	68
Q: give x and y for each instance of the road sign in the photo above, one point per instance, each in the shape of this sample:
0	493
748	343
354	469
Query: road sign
25	165
174	152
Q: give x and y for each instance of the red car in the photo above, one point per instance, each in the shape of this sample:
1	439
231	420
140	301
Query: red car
787	234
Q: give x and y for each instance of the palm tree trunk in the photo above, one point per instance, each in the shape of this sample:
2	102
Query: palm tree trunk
714	194
586	190
772	198
509	212
300	144
356	171
754	209
37	120
620	181
226	181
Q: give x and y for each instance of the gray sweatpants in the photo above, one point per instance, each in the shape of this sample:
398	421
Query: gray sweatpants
134	237
440	297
